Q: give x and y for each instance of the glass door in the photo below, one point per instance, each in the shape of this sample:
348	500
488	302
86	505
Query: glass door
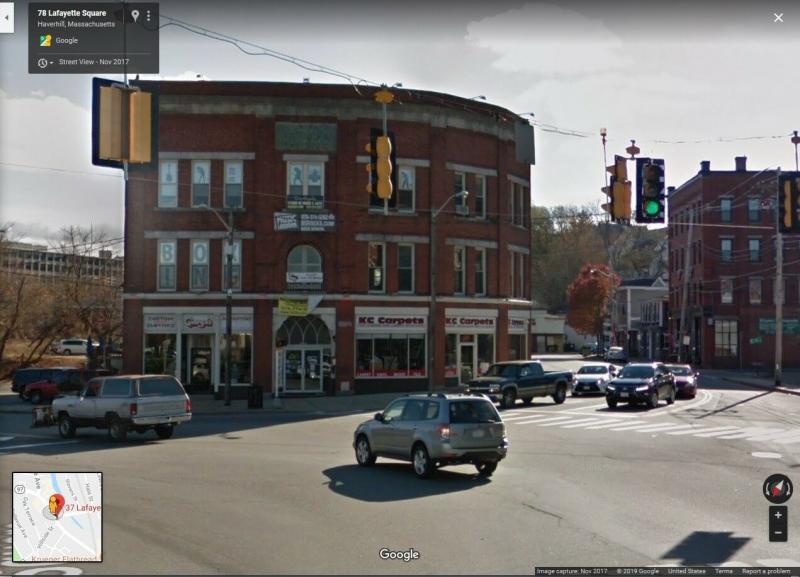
294	370
312	361
466	362
197	362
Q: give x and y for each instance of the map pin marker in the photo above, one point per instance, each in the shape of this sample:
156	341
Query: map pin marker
135	15
56	504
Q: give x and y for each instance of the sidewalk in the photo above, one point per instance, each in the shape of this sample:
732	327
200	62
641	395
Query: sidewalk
790	381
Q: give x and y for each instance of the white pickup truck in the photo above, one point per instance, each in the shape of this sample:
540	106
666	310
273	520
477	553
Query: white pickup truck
121	404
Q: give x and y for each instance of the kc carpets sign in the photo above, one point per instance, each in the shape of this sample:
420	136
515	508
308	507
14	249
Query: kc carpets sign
469	322
393	323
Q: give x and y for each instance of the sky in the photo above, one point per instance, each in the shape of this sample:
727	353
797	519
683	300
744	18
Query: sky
687	82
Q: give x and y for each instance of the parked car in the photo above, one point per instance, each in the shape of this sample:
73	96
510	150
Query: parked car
616	355
71	347
122	404
435	430
511	380
21	377
685	380
593	378
642	383
60	381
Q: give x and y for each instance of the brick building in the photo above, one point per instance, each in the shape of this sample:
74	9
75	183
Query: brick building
730	310
330	294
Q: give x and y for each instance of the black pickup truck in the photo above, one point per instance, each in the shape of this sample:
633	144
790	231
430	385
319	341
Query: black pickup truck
506	382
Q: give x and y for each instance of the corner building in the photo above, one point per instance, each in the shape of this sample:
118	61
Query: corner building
330	295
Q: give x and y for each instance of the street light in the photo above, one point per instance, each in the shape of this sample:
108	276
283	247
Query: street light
432	266
228	297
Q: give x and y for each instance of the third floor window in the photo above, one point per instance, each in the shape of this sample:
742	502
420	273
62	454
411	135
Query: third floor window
725	207
753	209
726	248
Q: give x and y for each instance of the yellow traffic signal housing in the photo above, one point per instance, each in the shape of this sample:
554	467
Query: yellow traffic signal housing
789	205
125	131
619	170
111	123
621	204
140	131
383	163
371	169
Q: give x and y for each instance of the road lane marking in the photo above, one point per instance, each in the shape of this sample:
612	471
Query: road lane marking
612	423
4	439
517	418
705	397
754	432
661	428
766	455
629	426
561	423
12	447
538	421
717	431
585	423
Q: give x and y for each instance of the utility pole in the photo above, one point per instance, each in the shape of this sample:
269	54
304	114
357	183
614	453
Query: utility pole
778	292
432	313
228	309
687	272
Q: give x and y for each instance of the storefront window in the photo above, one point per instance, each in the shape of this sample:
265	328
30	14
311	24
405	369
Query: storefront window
485	352
450	359
241	358
390	355
516	347
159	354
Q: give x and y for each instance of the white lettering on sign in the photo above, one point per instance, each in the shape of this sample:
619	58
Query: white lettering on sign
517	325
406	322
470	321
160	322
198	322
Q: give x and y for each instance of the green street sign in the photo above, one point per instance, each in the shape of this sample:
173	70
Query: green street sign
756	340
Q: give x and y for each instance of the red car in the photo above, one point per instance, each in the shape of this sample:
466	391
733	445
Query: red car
685	380
60	382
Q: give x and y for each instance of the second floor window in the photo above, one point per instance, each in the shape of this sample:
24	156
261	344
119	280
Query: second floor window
406	186
726	291
233	184
725	207
459	184
754	246
755	291
201	179
377	267
754	209
167	264
480	271
726	248
199	273
459	270
517	203
480	196
405	268
236	267
168	184
306	181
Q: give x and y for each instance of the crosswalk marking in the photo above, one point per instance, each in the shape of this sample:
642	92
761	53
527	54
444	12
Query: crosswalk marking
26	446
629	426
661	428
4	439
584	423
539	421
555	423
754	432
716	431
694	429
611	423
534	419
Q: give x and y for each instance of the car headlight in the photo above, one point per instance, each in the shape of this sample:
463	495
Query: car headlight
611	387
643	388
494	389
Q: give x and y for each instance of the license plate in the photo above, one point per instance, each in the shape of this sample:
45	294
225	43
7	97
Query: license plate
478	434
623	395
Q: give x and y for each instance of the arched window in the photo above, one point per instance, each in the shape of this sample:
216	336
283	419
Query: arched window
304	258
309	330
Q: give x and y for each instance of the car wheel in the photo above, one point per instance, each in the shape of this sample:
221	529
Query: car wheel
36	397
66	427
66	352
560	394
117	429
165	431
612	403
576	394
364	455
672	395
527	400
486	468
423	466
652	400
509	398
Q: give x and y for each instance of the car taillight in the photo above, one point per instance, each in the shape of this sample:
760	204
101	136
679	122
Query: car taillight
133	409
444	432
187	405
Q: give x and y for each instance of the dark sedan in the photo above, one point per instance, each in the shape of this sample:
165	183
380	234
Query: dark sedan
642	383
685	380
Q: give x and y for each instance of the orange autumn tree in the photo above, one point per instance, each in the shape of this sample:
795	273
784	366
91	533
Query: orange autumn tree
588	297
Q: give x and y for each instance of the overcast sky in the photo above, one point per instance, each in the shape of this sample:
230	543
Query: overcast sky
646	70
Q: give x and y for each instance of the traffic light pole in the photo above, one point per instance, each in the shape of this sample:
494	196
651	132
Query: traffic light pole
778	289
687	271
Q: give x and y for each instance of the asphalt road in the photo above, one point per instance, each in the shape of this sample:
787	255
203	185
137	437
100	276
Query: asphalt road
270	493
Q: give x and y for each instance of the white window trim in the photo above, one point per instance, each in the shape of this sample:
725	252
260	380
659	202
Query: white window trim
192	264
174	244
413	208
304	164
482	253
458	175
225	184
413	269
382	246
463	250
722	292
236	241
305	259
481	192
177	184
194	162
512	288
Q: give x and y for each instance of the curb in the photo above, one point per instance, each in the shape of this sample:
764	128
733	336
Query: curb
763	387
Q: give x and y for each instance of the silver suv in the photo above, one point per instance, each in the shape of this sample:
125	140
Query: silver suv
435	430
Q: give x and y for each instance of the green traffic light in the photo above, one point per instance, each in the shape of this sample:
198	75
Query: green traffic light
652	208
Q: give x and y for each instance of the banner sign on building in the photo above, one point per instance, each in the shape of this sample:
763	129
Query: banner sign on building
198	323
470	322
517	325
303	202
790	326
305	222
293	307
239	323
160	323
391	323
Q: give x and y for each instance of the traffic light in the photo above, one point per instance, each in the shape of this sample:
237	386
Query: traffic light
377	163
123	124
384	165
372	165
789	203
618	191
650	196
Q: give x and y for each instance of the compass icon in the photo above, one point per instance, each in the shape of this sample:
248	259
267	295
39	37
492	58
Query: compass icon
778	488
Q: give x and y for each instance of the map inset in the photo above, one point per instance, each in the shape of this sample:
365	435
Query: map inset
58	517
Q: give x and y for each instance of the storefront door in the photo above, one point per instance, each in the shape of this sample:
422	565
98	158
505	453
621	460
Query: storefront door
197	359
466	363
304	370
